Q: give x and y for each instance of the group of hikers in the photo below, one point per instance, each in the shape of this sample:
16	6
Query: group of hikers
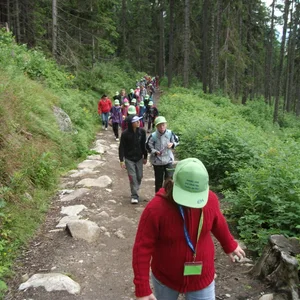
173	238
137	102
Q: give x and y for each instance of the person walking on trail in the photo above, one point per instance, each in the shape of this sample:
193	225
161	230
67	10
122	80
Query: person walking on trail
104	107
130	112
152	113
116	118
160	144
174	237
133	154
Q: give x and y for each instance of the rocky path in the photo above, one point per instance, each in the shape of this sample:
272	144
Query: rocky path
84	247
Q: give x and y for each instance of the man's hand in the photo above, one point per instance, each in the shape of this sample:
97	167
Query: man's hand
170	145
122	164
239	252
150	297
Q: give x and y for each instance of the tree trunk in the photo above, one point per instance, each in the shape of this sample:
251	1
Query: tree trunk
18	29
279	266
269	54
161	40
280	67
205	54
123	22
8	14
54	28
186	46
171	44
216	33
291	57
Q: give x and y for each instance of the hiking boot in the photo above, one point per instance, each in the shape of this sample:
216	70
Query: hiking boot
134	201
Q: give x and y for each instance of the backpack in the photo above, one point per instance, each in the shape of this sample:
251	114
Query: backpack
169	134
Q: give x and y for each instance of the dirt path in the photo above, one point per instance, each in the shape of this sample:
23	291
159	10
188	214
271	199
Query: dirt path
103	268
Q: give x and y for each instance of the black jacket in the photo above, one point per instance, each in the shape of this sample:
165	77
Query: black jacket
133	144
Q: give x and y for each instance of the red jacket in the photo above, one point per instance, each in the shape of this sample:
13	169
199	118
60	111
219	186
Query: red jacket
104	106
160	236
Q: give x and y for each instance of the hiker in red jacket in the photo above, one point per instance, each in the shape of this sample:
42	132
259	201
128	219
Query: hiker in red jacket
174	237
104	107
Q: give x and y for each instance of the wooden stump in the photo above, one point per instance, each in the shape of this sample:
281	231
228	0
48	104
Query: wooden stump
279	266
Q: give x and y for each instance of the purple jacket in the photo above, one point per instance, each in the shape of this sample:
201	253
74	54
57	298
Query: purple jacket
116	114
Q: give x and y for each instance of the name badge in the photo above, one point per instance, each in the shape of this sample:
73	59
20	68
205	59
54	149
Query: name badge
192	268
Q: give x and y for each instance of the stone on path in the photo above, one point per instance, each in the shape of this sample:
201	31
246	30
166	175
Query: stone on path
73	210
84	230
95	157
99	147
90	164
101	182
267	297
84	172
75	194
63	222
52	282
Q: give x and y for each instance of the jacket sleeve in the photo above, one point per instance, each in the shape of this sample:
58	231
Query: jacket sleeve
143	145
143	248
99	107
121	148
220	229
150	142
172	140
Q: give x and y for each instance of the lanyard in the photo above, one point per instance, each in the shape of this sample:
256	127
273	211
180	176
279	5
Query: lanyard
186	234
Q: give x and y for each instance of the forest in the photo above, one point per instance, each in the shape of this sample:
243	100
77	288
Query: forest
231	69
231	47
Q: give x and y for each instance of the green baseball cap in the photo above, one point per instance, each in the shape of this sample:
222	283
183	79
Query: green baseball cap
142	103
117	102
191	183
160	120
133	100
131	110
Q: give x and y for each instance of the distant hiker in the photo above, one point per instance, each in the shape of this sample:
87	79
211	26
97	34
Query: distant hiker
174	238
117	96
133	102
141	113
131	95
123	96
133	154
146	100
160	144
104	107
152	113
131	110
117	118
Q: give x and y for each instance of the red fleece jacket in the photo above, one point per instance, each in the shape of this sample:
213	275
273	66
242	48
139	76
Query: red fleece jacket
104	106
160	237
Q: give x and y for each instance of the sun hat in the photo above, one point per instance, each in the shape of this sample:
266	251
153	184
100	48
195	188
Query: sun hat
142	103
117	93
131	110
117	102
150	103
131	90
126	103
191	183
133	100
147	97
160	120
135	119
